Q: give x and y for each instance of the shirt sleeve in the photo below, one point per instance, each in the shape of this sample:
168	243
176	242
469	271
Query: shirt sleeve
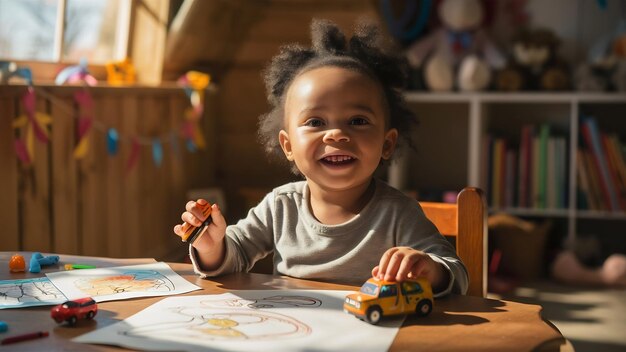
246	242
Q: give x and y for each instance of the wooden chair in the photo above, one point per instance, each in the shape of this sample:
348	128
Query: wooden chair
467	222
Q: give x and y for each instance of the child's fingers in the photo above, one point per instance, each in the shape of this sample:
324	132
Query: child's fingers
384	262
217	216
420	268
177	230
406	267
394	264
191	219
375	271
196	208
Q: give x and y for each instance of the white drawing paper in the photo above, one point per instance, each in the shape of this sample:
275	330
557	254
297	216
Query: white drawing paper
121	282
23	293
256	320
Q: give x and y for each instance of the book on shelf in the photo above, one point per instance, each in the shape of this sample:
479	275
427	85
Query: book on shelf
593	141
529	173
525	165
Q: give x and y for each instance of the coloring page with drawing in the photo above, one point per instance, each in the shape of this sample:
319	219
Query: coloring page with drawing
121	282
255	320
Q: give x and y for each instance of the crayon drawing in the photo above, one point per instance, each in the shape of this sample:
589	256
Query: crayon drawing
128	281
267	320
29	292
145	280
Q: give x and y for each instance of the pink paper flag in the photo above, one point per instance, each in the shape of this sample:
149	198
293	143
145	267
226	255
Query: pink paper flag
84	100
134	156
84	124
22	152
28	99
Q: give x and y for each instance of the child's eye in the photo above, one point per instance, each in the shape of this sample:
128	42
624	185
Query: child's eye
359	121
314	122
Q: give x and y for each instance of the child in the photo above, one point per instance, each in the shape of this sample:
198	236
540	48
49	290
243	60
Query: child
337	113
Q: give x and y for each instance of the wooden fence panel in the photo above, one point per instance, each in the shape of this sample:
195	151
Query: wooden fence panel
111	118
64	178
35	194
96	206
8	177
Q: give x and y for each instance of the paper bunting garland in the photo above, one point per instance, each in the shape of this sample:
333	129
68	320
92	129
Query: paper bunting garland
112	139
134	156
33	124
85	121
157	152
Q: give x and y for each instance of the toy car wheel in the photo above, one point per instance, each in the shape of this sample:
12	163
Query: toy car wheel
72	320
90	314
373	315
424	307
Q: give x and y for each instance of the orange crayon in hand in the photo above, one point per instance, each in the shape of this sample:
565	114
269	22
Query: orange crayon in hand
192	233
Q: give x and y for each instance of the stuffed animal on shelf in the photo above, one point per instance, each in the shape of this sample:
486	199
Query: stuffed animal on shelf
605	69
534	64
459	55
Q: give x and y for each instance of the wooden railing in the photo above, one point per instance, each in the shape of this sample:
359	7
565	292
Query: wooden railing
96	206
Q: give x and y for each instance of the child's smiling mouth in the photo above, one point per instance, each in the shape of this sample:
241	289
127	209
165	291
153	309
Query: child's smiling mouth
338	160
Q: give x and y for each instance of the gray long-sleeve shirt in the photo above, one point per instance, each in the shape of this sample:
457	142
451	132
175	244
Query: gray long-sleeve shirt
305	248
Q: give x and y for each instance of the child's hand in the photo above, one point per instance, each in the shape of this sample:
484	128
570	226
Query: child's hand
210	244
401	263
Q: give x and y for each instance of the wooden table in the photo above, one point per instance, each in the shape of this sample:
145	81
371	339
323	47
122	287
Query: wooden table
457	323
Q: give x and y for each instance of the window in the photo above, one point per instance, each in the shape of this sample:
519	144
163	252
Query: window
409	288
388	291
64	30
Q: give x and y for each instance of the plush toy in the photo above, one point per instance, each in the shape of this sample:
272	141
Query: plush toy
605	69
459	55
534	64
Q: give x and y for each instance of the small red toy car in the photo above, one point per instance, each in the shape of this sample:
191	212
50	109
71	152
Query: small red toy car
71	311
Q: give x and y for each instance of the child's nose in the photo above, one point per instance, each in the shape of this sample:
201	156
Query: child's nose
336	135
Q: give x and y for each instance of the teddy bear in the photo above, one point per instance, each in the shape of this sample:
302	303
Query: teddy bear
459	54
534	63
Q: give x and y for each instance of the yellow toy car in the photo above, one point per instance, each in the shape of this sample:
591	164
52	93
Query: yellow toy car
378	298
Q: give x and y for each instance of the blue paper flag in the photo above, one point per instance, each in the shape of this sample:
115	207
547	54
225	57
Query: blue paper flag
157	151
191	146
112	139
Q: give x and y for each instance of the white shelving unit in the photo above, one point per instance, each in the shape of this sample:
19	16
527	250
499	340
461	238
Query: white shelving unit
454	125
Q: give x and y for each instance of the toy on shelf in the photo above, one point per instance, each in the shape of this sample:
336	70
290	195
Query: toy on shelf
72	311
76	74
378	298
534	64
605	69
37	260
17	263
121	72
460	54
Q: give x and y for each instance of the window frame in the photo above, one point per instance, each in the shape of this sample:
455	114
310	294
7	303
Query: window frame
44	71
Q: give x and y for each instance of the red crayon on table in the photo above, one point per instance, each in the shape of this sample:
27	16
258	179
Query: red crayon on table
25	337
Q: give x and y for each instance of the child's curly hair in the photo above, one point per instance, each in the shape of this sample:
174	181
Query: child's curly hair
362	53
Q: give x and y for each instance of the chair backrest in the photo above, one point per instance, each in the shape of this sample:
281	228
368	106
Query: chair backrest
467	222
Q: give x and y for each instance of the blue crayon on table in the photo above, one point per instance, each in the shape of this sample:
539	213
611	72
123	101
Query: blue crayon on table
3	326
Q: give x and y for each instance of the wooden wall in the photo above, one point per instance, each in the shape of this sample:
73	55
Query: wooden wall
94	206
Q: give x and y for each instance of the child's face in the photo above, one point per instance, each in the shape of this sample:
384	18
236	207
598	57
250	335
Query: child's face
335	127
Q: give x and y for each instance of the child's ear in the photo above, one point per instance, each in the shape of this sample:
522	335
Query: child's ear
285	144
391	137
